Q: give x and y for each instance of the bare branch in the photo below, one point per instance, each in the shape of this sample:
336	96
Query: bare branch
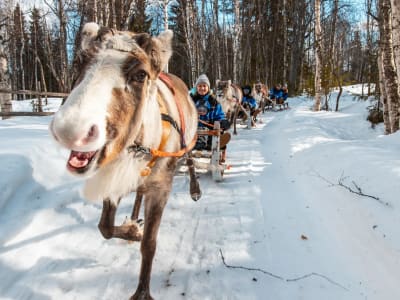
357	189
318	275
249	269
280	277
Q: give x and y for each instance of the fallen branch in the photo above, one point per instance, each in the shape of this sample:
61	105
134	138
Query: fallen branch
249	269
357	189
280	277
318	275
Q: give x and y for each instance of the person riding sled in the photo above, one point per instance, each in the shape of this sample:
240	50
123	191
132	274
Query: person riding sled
209	110
249	103
279	94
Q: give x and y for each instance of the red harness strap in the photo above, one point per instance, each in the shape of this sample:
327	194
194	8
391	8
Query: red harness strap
167	80
156	153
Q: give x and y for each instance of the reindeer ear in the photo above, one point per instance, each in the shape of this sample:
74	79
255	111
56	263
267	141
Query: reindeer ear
89	33
163	45
229	82
143	40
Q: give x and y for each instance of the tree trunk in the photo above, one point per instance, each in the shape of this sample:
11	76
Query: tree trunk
389	70
21	56
5	98
396	33
217	40
383	97
236	41
318	56
189	40
285	44
166	3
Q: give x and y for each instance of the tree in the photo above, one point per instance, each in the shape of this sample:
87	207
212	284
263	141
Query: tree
389	69
395	6
237	30
5	98
318	56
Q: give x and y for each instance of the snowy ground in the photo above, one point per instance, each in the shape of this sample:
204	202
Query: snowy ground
279	211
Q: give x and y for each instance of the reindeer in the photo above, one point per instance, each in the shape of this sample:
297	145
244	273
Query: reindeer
126	124
230	97
260	93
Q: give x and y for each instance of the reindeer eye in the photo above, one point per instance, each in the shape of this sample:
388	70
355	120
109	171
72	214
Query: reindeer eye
139	76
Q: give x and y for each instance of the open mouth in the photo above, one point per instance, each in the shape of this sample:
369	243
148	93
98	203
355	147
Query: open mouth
79	162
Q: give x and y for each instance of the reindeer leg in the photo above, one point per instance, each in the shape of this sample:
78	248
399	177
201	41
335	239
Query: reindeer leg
136	206
106	224
154	206
234	119
130	231
195	191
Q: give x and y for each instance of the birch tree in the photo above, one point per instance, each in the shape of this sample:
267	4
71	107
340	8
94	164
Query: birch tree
395	5
5	98
285	43
389	69
236	40
383	96
318	56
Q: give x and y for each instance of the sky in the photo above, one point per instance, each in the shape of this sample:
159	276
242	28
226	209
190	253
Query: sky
281	225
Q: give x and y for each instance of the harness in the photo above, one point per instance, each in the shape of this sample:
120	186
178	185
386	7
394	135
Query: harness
167	123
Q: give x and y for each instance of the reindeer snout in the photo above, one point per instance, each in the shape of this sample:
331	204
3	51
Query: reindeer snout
86	138
92	134
75	138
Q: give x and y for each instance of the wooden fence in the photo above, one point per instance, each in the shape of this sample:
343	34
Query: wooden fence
36	108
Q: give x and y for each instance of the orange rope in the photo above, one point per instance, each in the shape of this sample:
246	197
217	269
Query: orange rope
205	123
157	153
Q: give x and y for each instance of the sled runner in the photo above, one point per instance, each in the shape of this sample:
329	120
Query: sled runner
212	159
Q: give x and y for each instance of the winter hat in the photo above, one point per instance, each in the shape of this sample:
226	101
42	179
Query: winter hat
203	79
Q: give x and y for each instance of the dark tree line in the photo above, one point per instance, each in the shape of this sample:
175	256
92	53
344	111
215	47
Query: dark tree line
271	41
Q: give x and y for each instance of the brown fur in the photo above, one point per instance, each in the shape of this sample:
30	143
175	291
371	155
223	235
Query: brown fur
120	112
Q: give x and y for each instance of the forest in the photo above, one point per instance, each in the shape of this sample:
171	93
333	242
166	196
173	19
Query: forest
312	46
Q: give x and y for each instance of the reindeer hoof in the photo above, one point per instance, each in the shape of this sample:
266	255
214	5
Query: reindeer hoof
131	230
142	295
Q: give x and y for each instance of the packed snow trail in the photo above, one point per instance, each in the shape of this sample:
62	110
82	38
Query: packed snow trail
326	233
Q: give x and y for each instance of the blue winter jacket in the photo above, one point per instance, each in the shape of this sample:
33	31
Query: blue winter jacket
215	112
249	101
275	93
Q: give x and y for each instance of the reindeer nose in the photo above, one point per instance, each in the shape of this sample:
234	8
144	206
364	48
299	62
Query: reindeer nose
92	134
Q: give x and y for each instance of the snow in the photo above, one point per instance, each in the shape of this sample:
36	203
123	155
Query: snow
284	226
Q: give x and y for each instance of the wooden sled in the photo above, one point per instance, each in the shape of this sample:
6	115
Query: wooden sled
273	105
210	160
249	121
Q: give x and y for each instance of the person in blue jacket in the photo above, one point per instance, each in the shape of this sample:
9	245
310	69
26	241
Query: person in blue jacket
276	93
280	94
248	102
209	110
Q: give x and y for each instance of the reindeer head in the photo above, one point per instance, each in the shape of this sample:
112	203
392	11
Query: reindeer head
105	109
223	89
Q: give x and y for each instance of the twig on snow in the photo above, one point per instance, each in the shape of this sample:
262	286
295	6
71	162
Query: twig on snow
279	277
357	189
249	269
318	275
